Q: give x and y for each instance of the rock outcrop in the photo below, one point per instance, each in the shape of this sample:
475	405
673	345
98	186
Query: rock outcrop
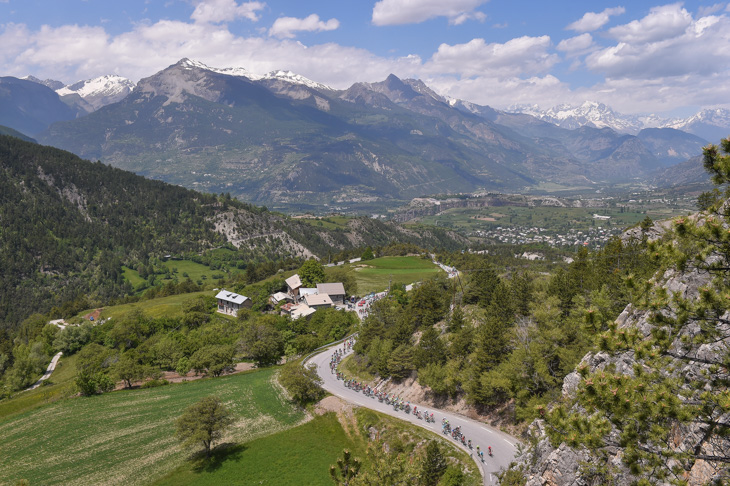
562	465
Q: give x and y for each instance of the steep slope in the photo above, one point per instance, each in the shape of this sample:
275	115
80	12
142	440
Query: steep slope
650	405
68	225
30	107
671	146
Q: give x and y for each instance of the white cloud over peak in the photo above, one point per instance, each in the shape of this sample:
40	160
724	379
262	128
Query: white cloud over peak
217	11
523	55
398	12
595	20
286	27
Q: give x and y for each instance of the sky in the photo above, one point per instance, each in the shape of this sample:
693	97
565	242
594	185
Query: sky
637	57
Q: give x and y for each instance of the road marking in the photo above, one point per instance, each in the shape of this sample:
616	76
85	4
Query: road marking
510	443
490	431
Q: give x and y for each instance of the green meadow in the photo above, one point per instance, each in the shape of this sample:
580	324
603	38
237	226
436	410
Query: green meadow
375	275
128	437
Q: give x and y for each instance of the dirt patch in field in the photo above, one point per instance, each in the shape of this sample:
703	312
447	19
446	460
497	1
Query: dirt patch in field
498	215
344	412
95	314
484	218
174	377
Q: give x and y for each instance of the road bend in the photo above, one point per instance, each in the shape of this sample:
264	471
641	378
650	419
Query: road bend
504	446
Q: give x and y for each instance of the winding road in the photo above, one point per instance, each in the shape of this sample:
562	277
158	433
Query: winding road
503	445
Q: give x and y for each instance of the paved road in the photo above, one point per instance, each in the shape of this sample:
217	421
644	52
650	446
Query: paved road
49	370
503	445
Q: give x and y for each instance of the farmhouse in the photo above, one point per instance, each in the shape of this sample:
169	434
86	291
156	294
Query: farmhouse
280	297
302	310
316	301
293	284
230	302
336	291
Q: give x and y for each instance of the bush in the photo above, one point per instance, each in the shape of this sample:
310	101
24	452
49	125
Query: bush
302	383
155	383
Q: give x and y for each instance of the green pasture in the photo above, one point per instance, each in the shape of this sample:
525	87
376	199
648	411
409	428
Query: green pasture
195	271
297	456
128	437
183	269
374	275
132	276
170	306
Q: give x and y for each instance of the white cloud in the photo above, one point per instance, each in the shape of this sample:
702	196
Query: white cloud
662	23
575	45
285	27
504	92
398	12
593	21
523	55
700	48
217	11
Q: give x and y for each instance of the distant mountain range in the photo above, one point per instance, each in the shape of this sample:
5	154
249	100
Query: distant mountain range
282	138
710	124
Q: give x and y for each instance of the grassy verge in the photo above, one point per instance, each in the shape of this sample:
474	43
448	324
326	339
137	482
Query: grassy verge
127	437
352	367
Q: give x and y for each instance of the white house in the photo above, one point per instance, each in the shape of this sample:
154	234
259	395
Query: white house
230	302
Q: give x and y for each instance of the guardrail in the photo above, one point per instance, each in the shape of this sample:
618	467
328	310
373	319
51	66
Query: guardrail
325	346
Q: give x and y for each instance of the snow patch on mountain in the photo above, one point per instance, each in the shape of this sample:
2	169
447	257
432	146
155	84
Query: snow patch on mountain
101	91
281	75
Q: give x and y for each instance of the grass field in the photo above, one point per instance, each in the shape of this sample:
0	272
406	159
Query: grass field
303	455
297	456
374	275
128	437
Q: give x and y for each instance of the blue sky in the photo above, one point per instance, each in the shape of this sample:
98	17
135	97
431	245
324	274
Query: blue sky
638	57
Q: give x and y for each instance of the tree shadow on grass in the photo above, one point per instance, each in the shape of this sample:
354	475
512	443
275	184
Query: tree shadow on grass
228	451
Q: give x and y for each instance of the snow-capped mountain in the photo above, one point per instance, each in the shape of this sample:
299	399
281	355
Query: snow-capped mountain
589	113
710	124
100	91
279	75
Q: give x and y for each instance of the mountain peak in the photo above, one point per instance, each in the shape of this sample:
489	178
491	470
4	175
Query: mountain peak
50	83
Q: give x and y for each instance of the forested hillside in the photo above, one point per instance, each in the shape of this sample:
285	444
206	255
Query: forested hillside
68	225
